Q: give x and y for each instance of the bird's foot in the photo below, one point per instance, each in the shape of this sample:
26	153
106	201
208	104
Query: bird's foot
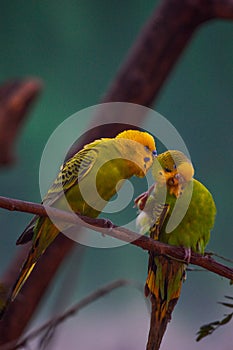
187	255
140	201
107	224
99	222
208	255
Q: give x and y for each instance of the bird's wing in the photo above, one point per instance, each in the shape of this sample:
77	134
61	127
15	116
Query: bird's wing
27	235
160	213
72	172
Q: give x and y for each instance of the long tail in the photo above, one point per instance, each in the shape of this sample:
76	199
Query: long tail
163	284
23	275
45	235
27	268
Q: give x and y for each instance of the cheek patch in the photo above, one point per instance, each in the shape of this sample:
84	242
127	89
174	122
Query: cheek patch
147	159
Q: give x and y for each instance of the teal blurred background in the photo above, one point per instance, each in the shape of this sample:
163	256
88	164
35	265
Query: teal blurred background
76	48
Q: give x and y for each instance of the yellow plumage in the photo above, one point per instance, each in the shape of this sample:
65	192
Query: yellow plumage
87	182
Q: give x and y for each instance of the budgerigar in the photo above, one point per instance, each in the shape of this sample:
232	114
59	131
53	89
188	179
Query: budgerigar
87	181
179	211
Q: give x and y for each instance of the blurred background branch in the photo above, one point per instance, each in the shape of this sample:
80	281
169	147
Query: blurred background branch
16	97
48	327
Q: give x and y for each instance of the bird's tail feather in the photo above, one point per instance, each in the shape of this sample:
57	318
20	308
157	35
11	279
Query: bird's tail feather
45	234
24	273
163	284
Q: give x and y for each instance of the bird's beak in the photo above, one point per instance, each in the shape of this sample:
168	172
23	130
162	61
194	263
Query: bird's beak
176	180
154	153
179	178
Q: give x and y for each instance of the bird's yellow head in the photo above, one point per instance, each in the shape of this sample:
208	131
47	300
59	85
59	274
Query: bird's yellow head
139	136
144	156
174	169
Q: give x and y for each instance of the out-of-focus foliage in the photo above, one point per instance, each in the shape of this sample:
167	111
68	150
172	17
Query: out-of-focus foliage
209	328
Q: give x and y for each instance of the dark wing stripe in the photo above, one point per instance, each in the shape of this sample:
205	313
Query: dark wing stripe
160	214
72	172
28	233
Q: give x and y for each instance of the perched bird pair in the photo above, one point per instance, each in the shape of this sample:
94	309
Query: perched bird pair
177	210
87	182
97	169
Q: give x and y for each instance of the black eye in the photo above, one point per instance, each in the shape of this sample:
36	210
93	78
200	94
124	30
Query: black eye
167	170
174	166
147	148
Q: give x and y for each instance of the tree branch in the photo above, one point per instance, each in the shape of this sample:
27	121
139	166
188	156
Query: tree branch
15	99
159	46
107	228
152	57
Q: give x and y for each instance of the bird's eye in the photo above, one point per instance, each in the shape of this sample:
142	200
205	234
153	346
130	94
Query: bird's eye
167	170
174	166
147	148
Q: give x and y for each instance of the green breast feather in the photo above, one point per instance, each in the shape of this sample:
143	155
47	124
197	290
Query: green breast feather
194	229
178	211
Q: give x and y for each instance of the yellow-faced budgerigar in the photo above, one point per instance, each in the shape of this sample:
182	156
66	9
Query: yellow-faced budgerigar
94	173
174	188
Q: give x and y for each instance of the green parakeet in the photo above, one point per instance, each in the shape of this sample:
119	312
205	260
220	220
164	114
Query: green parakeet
87	181
179	211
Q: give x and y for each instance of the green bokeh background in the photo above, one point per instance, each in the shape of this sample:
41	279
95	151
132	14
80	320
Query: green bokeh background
76	48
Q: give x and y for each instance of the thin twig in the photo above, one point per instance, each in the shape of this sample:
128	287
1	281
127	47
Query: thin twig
219	256
107	228
73	310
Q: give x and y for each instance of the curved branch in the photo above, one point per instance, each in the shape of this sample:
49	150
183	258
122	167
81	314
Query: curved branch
107	228
159	46
216	9
15	99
